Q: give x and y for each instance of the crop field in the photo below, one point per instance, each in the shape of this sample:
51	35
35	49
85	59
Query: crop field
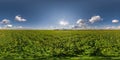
59	44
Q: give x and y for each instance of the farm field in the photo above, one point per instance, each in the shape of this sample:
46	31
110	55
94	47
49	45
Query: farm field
60	44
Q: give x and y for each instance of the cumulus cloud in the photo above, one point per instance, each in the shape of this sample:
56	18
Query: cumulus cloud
112	27
95	19
109	27
9	26
64	23
20	26
5	21
12	26
76	26
20	19
81	23
115	21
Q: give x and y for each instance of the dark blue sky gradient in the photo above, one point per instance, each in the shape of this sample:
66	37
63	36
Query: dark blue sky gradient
46	13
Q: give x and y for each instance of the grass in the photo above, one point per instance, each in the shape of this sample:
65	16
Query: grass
60	44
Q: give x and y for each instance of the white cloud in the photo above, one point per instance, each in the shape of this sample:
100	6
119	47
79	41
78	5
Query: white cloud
20	19
95	19
64	23
5	21
112	27
115	21
81	23
9	26
12	26
109	27
20	26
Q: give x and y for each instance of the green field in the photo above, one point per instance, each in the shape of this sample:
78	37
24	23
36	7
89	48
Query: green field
60	44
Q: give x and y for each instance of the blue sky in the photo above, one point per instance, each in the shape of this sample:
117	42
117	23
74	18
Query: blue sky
49	13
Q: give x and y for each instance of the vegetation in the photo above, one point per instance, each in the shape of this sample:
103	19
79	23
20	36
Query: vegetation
41	44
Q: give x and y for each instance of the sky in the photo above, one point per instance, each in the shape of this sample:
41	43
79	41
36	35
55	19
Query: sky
49	14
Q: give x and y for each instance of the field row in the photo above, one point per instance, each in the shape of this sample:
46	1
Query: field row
19	44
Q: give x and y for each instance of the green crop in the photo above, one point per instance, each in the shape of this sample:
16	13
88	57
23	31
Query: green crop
38	44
